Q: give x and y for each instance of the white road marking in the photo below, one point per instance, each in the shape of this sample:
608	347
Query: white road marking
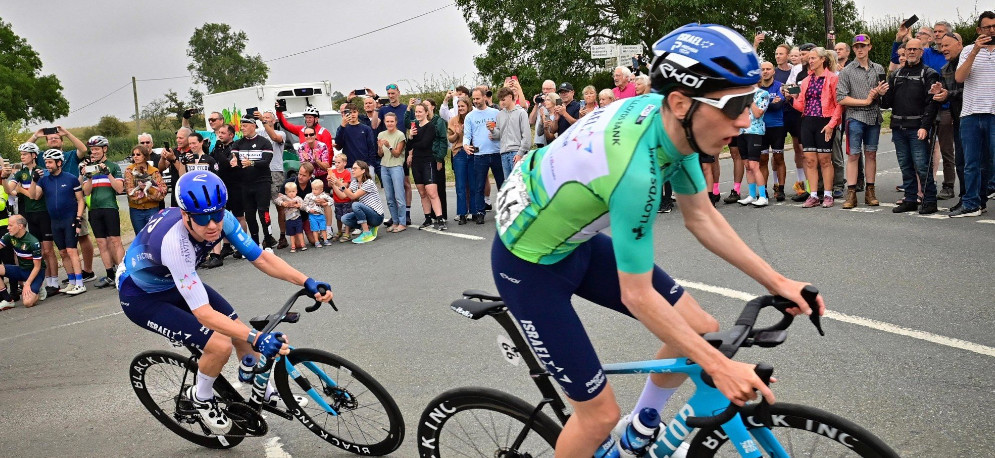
52	328
453	234
274	449
860	321
987	221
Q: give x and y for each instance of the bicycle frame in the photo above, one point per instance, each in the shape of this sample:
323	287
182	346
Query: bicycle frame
311	390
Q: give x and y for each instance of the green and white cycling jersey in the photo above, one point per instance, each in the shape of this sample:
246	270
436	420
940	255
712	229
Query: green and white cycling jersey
607	170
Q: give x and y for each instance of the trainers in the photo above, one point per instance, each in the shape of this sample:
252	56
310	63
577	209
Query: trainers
927	208
282	243
461	220
905	207
487	206
811	202
318	244
269	242
276	402
957	206
837	194
43	294
732	197
237	255
6	305
666	206
478	218
210	413
437	225
945	193
357	231
328	242
965	212
64	289
104	282
427	224
761	202
442	225
78	289
227	250
746	200
714	198
212	261
89	276
363	238
827	202
344	237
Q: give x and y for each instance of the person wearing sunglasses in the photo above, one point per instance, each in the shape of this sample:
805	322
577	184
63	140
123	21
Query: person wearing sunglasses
607	171
160	290
214	121
311	119
144	186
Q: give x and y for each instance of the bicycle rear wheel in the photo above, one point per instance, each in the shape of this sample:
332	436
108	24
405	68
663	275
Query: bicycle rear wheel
157	378
483	422
804	432
368	420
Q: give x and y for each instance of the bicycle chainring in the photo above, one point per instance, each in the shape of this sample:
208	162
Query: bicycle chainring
249	420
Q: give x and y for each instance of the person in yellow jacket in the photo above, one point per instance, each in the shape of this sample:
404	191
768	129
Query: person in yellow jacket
7	252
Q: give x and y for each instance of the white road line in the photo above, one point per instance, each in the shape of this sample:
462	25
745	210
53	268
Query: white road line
453	234
860	321
274	449
987	221
52	328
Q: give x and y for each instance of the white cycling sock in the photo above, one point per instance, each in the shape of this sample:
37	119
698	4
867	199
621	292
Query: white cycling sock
653	396
269	389
800	174
205	386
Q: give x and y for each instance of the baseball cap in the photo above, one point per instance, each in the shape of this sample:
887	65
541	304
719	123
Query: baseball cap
807	47
862	39
565	87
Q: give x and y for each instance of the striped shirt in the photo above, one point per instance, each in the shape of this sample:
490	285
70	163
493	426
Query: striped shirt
371	198
979	88
857	82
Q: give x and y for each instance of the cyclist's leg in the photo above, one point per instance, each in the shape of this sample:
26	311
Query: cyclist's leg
539	298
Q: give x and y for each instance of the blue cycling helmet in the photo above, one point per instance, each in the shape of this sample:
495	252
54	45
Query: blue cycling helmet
201	192
702	58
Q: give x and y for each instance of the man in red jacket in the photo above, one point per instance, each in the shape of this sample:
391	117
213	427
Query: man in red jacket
310	120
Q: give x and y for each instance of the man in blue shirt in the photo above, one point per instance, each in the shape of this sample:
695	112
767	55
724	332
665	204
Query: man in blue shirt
64	200
395	106
486	152
356	139
773	137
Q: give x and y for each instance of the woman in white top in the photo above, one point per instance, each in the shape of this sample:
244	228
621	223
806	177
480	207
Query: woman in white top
367	207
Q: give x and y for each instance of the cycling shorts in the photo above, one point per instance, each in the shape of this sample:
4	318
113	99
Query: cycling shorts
793	123
749	146
539	298
166	313
39	225
16	274
106	222
813	140
773	140
423	171
256	197
64	234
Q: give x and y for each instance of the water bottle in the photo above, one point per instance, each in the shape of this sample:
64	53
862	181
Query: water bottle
259	386
639	434
245	369
607	449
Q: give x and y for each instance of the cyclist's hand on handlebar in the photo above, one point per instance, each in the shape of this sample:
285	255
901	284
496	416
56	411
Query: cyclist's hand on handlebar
271	344
790	289
313	287
738	382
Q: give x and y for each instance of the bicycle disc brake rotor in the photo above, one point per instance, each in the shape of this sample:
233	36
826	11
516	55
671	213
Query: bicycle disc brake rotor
342	399
247	419
506	453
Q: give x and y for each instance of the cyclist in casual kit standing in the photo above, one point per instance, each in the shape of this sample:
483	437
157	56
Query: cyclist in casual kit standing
161	291
613	163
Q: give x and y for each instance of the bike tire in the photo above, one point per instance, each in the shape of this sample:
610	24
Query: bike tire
802	431
451	424
156	377
375	415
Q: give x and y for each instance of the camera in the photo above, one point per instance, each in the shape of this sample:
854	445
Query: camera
281	105
90	169
251	112
50	130
360	92
538	99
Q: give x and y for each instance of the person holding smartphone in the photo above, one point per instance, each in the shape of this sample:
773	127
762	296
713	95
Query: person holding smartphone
103	181
860	87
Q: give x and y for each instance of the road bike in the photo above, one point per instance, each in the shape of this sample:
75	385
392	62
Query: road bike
345	406
478	421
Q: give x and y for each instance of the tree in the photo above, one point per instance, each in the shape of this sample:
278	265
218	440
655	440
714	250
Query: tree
110	126
26	94
219	60
156	114
523	39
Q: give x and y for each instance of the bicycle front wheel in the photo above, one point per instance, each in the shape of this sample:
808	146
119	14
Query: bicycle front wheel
157	378
368	421
483	422
804	432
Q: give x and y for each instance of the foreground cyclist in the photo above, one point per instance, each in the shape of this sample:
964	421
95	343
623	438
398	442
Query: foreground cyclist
608	170
161	291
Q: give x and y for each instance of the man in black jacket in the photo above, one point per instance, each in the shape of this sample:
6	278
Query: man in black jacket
222	155
250	158
913	113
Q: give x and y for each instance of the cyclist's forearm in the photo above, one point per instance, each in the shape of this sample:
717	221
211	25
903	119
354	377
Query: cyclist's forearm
214	320
272	265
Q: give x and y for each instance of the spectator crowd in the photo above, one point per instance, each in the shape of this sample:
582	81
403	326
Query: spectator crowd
355	179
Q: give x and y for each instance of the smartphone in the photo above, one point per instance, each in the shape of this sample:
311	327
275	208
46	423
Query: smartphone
910	21
281	105
90	169
417	101
361	92
881	77
559	102
50	130
514	77
165	146
384	101
251	112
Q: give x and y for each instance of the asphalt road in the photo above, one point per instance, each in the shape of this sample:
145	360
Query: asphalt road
63	374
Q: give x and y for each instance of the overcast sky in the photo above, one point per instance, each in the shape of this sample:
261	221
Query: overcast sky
96	46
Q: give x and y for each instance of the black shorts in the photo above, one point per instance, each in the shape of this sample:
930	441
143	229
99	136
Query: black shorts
793	122
166	313
773	140
64	234
39	225
706	158
105	222
255	197
423	171
749	146
235	200
813	140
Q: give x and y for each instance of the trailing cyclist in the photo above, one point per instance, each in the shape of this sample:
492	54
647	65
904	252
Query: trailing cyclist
161	291
607	171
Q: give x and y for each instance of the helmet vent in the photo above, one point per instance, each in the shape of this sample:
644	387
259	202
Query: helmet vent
193	198
727	64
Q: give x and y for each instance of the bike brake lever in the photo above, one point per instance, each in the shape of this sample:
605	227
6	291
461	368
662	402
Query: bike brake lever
810	294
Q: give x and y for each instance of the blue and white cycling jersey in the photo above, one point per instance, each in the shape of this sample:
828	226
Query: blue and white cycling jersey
164	256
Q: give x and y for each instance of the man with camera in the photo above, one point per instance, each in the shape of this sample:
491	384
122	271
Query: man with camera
168	159
35	212
860	85
102	180
53	139
448	108
569	109
548	87
276	173
64	202
511	129
976	70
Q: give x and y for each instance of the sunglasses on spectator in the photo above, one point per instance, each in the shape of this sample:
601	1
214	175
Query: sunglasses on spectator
144	143
392	86
137	155
203	219
309	135
213	119
731	105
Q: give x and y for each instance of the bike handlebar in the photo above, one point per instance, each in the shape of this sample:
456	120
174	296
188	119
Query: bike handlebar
276	318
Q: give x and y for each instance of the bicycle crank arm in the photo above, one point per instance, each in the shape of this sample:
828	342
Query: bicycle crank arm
278	412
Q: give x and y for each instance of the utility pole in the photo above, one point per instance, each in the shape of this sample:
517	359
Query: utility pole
138	119
830	27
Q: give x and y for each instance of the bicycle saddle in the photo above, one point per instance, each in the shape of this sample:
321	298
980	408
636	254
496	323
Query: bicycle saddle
475	309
